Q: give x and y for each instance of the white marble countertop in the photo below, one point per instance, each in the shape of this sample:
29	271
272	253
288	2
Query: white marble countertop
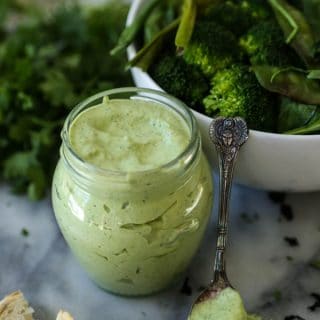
275	279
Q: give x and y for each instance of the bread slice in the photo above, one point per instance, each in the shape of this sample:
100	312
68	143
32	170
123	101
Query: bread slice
63	315
15	307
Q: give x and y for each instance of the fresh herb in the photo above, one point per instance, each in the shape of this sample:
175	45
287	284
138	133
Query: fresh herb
315	264
292	241
186	288
277	295
46	68
316	304
25	232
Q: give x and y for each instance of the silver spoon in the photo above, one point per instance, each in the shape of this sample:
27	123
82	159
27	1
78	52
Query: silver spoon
228	135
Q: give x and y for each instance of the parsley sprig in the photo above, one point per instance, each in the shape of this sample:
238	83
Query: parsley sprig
47	66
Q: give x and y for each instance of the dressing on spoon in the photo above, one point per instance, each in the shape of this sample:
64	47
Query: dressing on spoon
220	301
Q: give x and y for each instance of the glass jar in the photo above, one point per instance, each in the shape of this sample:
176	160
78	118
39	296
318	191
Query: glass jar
133	232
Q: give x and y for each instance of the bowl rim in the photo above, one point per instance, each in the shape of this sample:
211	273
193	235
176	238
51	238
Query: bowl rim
131	52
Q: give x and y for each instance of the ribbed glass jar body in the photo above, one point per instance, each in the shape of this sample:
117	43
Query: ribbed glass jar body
133	232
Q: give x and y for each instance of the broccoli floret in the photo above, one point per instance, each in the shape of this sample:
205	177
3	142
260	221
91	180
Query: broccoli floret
235	91
212	47
265	44
184	81
238	16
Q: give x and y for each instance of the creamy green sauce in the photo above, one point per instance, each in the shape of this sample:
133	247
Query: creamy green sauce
135	236
129	135
227	305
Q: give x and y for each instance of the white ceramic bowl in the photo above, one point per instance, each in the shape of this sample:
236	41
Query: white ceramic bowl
267	161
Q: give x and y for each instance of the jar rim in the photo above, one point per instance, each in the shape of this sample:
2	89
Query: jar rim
150	94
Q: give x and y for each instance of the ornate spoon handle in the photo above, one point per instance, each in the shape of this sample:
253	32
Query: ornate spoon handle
228	135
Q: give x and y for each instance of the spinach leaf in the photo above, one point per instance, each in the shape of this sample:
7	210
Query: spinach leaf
296	29
312	13
293	114
312	127
290	82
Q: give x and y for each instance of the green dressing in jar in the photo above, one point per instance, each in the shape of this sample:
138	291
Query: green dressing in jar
132	191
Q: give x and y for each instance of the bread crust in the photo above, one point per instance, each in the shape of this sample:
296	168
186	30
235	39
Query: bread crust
15	307
63	315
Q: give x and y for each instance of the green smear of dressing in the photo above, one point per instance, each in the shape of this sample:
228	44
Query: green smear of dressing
227	305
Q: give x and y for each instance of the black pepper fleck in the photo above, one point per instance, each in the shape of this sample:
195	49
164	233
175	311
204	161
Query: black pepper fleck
292	241
125	205
293	318
106	208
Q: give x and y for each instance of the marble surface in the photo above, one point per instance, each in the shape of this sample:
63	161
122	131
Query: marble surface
275	279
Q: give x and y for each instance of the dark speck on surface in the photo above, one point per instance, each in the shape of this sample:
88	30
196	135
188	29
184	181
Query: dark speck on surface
292	241
289	258
249	218
293	318
186	289
277	197
316	305
125	205
24	232
286	212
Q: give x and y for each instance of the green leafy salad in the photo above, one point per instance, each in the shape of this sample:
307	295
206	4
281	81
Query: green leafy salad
48	63
252	58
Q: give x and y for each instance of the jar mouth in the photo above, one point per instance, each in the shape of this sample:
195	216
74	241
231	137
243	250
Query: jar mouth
186	156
